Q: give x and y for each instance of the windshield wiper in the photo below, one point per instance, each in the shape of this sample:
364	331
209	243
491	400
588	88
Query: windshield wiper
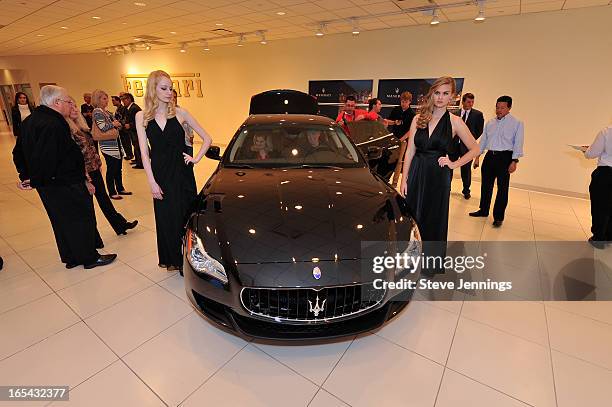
238	166
310	166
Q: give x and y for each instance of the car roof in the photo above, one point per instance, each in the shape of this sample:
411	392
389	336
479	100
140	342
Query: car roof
288	118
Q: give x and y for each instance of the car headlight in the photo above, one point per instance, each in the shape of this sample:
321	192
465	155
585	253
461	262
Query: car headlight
200	261
413	251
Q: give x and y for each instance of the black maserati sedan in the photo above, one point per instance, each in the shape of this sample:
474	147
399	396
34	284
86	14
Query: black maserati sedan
277	245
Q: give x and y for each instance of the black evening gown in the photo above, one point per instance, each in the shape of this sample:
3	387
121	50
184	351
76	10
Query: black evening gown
178	185
429	184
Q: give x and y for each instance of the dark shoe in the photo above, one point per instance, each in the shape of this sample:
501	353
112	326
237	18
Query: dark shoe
163	266
104	260
173	268
124	193
479	214
138	167
598	244
467	196
497	223
71	265
128	226
128	158
116	197
133	161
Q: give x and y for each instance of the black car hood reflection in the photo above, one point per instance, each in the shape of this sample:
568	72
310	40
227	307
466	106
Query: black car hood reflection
250	216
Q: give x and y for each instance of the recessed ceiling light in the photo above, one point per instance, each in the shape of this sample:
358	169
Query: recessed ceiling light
97	18
40	35
139	4
124	23
137	39
64	27
219	24
281	13
172	32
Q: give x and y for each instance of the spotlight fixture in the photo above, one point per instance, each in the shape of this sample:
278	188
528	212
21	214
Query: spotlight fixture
139	4
262	37
241	40
118	50
132	48
108	52
321	31
97	18
126	50
280	13
64	27
205	46
147	46
435	20
355	26
183	48
481	11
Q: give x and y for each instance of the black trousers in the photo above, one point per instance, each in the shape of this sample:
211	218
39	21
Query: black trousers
71	212
126	142
466	177
114	180
495	167
600	190
116	220
137	156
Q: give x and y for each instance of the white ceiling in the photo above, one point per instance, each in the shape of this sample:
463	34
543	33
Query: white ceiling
36	27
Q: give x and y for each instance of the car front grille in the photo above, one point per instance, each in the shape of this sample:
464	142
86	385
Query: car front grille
310	304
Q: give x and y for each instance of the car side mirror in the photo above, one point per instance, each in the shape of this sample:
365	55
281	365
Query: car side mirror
374	152
214	153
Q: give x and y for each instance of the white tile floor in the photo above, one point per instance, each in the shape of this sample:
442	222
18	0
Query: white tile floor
126	336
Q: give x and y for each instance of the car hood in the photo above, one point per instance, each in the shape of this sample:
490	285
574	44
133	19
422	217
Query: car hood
256	216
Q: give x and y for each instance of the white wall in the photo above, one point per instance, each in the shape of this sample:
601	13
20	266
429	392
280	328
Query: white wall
556	66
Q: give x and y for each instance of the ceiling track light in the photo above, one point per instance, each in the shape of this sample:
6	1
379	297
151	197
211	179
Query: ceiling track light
132	48
108	52
126	50
262	37
205	46
481	11
147	46
321	30
183	48
240	40
355	24
435	20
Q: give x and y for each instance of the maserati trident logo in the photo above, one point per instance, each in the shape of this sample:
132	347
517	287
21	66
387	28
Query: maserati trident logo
317	309
396	90
316	273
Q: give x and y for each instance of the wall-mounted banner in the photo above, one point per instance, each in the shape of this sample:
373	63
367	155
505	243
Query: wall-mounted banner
389	91
332	94
185	84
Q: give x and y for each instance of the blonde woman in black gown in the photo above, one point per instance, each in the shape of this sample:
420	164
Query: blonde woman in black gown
168	167
427	171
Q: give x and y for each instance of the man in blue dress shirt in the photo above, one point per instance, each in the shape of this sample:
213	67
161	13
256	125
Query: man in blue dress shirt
503	139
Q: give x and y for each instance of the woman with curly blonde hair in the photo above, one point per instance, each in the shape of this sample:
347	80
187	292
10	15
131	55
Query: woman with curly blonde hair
427	171
169	167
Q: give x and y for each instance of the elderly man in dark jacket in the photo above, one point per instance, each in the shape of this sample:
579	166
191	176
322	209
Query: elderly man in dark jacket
48	159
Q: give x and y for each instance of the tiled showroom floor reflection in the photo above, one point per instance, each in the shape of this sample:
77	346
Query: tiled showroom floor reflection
137	342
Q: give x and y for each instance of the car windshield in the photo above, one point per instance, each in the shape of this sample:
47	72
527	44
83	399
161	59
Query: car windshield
292	145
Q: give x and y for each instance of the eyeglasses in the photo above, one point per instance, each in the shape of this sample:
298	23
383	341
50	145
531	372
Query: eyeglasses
66	101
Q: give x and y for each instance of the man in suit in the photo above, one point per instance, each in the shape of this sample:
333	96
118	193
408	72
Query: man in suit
131	109
474	120
126	140
87	109
48	160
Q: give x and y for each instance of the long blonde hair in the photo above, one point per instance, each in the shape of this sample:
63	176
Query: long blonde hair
78	124
150	98
427	108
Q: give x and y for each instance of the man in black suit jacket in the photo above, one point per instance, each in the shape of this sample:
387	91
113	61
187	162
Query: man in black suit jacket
131	109
475	122
48	159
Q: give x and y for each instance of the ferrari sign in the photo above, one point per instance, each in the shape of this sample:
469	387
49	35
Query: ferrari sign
185	84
